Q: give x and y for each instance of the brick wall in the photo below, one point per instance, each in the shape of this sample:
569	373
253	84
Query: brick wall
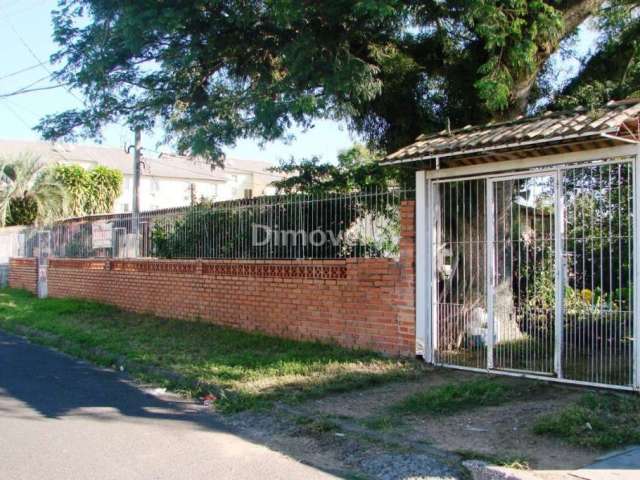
365	303
23	273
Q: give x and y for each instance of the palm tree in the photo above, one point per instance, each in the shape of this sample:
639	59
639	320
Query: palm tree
26	183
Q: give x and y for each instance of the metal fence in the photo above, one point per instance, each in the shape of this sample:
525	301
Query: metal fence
10	246
296	226
534	273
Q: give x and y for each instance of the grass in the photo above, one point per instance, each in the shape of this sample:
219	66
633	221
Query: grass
596	420
452	398
316	426
243	370
381	423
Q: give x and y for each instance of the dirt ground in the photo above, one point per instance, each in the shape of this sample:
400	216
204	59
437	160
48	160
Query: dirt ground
502	431
505	431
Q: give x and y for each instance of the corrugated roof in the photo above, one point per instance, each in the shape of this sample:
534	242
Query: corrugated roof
232	165
550	128
109	157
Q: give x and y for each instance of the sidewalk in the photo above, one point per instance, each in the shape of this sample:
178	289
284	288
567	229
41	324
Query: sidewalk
619	465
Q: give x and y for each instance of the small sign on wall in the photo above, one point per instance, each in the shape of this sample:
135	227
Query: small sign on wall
101	234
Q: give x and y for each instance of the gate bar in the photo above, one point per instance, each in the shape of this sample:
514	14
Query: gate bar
490	281
434	238
636	270
559	274
533	376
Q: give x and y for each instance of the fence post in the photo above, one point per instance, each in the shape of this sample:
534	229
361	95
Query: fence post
636	271
42	263
423	326
42	266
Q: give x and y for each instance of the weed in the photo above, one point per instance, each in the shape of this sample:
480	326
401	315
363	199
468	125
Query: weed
596	420
244	370
452	398
382	423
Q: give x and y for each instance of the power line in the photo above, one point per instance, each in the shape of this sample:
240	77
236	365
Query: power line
23	109
27	89
15	114
33	54
31	90
22	70
35	82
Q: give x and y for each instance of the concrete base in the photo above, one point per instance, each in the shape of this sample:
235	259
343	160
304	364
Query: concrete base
620	465
483	471
4	275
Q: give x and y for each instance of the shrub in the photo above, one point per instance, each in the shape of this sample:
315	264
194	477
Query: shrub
226	230
90	191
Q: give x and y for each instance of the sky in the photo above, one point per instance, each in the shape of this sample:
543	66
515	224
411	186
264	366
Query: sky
25	40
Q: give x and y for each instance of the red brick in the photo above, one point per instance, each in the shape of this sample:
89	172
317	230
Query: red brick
373	307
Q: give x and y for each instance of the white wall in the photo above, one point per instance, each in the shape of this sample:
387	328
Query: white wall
160	192
234	186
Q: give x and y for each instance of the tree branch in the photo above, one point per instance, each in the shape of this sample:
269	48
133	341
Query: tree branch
573	16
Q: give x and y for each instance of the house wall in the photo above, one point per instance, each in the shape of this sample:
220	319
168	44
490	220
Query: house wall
235	184
160	192
367	303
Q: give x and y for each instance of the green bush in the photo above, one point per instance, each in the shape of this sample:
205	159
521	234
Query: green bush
90	191
226	230
22	211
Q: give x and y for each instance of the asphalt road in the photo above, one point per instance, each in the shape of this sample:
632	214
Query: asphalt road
64	419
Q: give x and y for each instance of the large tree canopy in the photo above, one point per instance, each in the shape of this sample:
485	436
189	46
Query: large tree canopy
613	71
356	168
212	71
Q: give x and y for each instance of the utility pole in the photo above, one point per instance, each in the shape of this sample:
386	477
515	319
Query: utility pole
192	193
135	204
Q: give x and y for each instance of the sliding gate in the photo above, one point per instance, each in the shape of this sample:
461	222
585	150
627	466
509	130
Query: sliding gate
533	273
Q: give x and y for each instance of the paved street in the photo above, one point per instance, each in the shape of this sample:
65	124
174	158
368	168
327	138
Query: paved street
63	419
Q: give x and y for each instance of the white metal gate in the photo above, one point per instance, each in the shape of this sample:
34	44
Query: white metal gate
532	273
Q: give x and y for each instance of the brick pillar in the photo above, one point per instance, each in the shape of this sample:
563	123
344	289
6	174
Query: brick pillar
408	233
406	289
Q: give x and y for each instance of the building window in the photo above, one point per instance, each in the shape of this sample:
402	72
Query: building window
248	193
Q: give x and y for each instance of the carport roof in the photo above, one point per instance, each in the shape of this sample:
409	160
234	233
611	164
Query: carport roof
525	137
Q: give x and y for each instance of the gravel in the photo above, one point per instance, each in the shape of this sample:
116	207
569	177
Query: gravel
408	467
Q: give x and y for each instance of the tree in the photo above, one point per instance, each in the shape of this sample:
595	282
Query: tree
357	168
33	192
29	193
613	72
211	72
89	191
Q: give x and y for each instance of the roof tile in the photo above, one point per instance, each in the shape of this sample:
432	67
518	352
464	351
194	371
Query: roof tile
551	126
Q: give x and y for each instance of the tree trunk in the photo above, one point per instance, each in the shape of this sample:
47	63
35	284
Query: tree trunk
574	14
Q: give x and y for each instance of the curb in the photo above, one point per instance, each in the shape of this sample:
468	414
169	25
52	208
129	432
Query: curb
483	471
